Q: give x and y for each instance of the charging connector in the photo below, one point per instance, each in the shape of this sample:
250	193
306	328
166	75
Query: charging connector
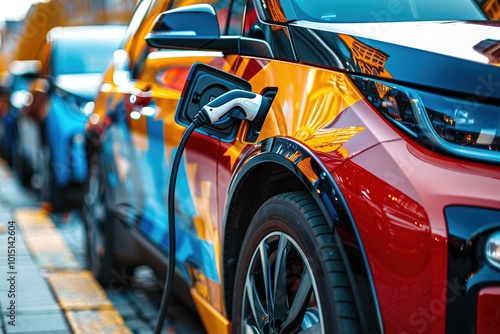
235	103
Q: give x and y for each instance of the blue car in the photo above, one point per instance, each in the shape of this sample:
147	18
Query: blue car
16	86
51	131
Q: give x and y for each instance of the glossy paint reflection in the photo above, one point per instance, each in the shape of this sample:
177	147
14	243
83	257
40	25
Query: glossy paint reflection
397	236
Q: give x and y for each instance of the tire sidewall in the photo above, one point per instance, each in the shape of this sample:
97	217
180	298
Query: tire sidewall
278	216
50	191
101	265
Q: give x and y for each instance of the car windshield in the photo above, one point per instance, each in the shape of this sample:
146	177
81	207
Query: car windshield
75	56
386	10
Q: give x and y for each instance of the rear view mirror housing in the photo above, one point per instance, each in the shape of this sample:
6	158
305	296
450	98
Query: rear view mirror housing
196	27
185	27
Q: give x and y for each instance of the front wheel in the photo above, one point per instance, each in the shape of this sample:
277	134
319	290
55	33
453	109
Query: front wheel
49	190
20	165
98	223
291	276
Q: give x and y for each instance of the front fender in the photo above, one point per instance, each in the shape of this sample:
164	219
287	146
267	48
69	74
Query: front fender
294	161
305	166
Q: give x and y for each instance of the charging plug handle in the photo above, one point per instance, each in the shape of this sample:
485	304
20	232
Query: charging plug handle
235	103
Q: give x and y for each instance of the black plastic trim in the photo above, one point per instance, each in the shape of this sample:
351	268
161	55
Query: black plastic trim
468	270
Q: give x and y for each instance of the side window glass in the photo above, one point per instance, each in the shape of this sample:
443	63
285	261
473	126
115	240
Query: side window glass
222	10
130	35
137	48
276	36
137	18
252	28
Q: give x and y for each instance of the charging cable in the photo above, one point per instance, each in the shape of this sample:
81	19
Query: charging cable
235	103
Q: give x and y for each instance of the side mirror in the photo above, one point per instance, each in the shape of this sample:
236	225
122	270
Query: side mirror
196	28
28	68
189	27
41	85
37	102
121	73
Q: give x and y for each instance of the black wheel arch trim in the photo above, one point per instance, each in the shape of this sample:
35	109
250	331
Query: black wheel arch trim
315	177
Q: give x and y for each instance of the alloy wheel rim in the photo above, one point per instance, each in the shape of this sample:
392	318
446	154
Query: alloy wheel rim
280	293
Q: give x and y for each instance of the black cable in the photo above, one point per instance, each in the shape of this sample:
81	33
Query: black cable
235	103
198	121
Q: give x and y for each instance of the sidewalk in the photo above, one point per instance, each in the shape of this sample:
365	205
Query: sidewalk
44	287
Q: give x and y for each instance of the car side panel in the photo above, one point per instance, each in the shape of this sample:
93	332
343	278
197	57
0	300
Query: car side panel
388	206
143	147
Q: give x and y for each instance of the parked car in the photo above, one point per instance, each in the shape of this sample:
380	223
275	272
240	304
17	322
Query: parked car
16	85
367	199
52	154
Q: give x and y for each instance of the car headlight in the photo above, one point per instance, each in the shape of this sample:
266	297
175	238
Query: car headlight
461	127
493	249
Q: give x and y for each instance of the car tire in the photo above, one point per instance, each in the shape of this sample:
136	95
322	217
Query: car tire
290	275
6	146
3	145
98	225
20	166
49	191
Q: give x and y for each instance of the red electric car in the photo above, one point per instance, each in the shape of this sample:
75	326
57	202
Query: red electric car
367	199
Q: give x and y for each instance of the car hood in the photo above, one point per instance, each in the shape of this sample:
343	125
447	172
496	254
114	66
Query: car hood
460	56
82	85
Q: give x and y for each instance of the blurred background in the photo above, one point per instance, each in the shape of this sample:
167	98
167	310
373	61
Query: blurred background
52	57
25	23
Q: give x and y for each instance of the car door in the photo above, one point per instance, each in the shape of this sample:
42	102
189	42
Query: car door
152	134
109	120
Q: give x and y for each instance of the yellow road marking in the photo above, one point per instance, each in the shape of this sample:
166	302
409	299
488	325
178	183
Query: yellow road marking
78	291
83	300
44	240
94	322
32	218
